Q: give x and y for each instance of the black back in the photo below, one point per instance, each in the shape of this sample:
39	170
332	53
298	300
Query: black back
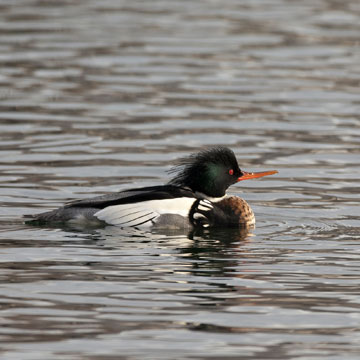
133	196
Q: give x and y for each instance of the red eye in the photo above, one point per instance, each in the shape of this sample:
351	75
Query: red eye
231	172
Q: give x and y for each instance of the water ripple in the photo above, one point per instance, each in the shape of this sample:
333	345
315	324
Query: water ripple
97	96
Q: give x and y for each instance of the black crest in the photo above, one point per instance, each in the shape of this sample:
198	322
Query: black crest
207	171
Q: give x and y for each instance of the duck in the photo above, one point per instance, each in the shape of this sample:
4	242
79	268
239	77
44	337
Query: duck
194	198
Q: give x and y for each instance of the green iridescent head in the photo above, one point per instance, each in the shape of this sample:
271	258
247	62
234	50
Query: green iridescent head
209	172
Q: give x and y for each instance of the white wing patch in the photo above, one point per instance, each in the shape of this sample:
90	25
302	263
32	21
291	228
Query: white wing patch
144	213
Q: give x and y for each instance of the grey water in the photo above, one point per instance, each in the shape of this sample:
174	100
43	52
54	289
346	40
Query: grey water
100	96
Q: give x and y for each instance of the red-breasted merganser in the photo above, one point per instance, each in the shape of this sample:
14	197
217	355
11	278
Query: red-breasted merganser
195	197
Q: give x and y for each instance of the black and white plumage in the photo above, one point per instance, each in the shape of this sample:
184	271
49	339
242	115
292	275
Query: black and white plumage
131	208
190	199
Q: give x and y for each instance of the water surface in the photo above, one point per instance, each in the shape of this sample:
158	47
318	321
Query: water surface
97	97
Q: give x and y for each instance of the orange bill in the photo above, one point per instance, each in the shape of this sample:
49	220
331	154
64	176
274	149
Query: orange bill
253	175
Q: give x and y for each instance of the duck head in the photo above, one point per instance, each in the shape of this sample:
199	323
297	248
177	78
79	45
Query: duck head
210	172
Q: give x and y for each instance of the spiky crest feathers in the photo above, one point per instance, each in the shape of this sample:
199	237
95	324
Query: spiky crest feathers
202	170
